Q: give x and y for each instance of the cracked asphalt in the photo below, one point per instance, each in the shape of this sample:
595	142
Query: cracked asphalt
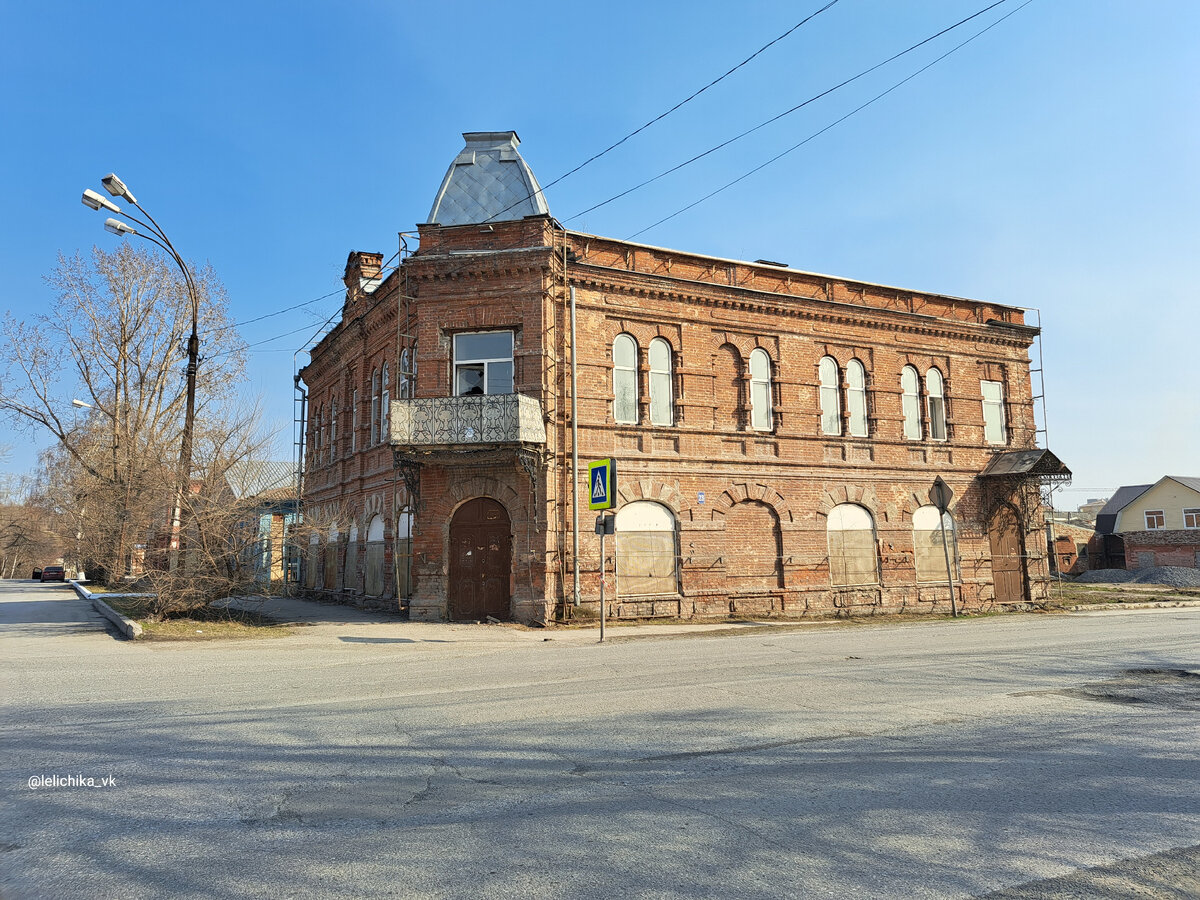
1024	756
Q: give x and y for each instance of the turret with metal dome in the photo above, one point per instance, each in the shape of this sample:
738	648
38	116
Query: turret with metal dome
488	182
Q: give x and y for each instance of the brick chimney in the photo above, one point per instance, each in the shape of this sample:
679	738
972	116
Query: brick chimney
360	268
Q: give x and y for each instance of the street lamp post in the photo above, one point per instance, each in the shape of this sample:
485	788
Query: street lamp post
154	233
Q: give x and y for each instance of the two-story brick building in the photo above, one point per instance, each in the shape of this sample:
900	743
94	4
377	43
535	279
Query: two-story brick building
775	432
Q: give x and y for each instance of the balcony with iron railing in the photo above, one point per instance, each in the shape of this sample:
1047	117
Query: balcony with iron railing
477	420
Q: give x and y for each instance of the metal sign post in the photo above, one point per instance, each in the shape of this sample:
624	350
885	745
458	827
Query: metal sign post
940	496
604	525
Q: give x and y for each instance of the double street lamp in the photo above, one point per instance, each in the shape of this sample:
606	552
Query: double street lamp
153	232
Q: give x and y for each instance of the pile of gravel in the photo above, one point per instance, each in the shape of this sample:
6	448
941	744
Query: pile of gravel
1171	576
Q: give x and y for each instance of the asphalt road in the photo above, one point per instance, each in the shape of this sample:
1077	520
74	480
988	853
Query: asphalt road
1032	756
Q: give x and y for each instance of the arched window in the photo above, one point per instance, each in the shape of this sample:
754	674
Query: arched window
354	421
385	408
856	397
852	557
760	390
935	394
374	407
929	556
331	558
374	570
662	411
318	435
831	408
402	555
910	402
333	433
351	579
403	383
646	549
625	381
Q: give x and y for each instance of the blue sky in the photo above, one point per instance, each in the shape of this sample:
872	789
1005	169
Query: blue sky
1051	163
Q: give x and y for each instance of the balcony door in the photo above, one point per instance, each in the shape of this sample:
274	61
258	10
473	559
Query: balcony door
480	561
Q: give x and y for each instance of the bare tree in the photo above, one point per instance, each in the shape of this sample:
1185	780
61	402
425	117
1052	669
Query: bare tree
113	340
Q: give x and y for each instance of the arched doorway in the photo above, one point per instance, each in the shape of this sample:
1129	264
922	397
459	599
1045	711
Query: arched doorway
1008	556
480	561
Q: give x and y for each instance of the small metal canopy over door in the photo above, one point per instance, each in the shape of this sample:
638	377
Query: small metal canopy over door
480	561
1008	558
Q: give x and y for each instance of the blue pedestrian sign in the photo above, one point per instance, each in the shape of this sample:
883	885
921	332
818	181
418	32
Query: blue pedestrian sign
602	484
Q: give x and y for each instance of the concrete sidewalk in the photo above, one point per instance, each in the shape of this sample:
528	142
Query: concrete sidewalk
389	625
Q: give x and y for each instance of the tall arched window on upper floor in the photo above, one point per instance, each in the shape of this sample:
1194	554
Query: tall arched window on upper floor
994	431
646	551
760	390
374	407
385	407
856	397
910	402
354	421
625	379
831	407
935	398
929	554
333	430
318	435
662	410
852	556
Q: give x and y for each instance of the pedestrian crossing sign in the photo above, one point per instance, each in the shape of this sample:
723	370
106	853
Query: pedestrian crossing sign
602	484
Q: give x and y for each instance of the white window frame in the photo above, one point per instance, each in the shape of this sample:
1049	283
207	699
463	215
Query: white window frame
333	413
662	399
1194	514
935	402
856	398
374	407
385	403
625	374
994	427
830	394
761	414
1159	521
490	364
910	402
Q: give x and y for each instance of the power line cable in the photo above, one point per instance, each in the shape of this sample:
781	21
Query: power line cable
816	134
785	113
661	116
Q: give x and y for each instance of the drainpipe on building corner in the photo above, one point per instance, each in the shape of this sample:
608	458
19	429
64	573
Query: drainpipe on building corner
574	440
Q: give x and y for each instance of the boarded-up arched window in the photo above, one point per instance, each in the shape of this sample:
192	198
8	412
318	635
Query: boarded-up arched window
831	407
351	578
852	558
374	570
760	390
625	380
929	556
402	556
752	527
331	558
646	549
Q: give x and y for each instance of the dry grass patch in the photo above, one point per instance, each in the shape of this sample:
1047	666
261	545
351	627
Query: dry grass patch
206	623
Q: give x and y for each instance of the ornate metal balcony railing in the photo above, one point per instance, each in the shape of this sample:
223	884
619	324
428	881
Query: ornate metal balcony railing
480	419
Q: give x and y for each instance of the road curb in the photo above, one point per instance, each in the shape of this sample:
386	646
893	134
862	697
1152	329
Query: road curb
1155	604
125	625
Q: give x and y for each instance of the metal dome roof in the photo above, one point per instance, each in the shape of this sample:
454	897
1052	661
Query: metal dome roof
488	182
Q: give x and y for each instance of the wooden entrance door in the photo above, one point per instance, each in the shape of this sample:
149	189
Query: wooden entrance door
1008	556
480	561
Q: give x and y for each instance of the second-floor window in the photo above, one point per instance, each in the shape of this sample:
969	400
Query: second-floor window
1191	518
333	432
856	397
935	399
831	407
760	390
625	379
385	408
910	402
1155	519
994	431
483	363
354	421
661	401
